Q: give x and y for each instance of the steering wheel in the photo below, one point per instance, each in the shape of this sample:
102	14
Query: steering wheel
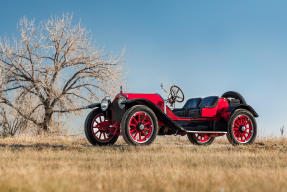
175	95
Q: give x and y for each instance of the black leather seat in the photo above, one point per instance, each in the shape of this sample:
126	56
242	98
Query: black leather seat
208	102
190	105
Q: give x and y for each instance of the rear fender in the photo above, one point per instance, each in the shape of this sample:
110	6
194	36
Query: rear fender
242	106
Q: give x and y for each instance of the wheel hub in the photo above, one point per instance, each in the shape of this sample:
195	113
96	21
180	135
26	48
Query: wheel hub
103	126
140	127
242	128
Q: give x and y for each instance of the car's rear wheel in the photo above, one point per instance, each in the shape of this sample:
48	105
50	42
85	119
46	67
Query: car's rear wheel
242	128
97	129
139	125
200	138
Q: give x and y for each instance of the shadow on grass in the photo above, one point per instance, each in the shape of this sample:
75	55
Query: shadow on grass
38	146
45	146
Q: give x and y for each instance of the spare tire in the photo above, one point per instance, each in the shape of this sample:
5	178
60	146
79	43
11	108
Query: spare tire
235	95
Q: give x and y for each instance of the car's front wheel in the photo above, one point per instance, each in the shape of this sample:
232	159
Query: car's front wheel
242	128
139	125
97	129
200	138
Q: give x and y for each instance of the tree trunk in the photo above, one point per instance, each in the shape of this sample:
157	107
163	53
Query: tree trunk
47	120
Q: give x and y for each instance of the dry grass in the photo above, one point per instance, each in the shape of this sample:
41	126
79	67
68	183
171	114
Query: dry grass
66	164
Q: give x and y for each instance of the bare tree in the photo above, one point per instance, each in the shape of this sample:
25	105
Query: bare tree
11	123
57	66
282	130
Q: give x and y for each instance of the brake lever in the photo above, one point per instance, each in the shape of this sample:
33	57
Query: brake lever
161	86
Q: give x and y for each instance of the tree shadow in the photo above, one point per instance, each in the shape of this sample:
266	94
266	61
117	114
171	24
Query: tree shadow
43	146
37	146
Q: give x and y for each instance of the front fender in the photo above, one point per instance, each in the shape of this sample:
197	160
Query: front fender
94	105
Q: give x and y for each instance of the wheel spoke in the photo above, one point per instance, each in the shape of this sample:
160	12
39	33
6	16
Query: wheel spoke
132	130
147	123
135	135
144	118
147	129
132	124
135	120
237	123
236	134
100	136
139	118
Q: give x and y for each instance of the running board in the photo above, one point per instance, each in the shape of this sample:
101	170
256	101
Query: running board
223	132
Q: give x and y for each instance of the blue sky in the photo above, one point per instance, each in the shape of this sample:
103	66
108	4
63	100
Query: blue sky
206	47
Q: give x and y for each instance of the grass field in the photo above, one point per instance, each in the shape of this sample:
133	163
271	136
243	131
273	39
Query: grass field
66	164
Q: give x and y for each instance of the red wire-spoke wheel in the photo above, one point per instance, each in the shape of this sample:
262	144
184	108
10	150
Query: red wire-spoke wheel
139	125
97	129
242	128
100	128
200	138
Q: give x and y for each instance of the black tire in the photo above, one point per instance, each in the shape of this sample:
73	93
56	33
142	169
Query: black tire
89	133
235	95
125	127
192	138
230	133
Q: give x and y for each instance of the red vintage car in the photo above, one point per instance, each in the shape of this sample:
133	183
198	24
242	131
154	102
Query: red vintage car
139	118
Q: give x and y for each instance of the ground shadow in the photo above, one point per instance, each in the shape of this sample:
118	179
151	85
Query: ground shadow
33	146
41	146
